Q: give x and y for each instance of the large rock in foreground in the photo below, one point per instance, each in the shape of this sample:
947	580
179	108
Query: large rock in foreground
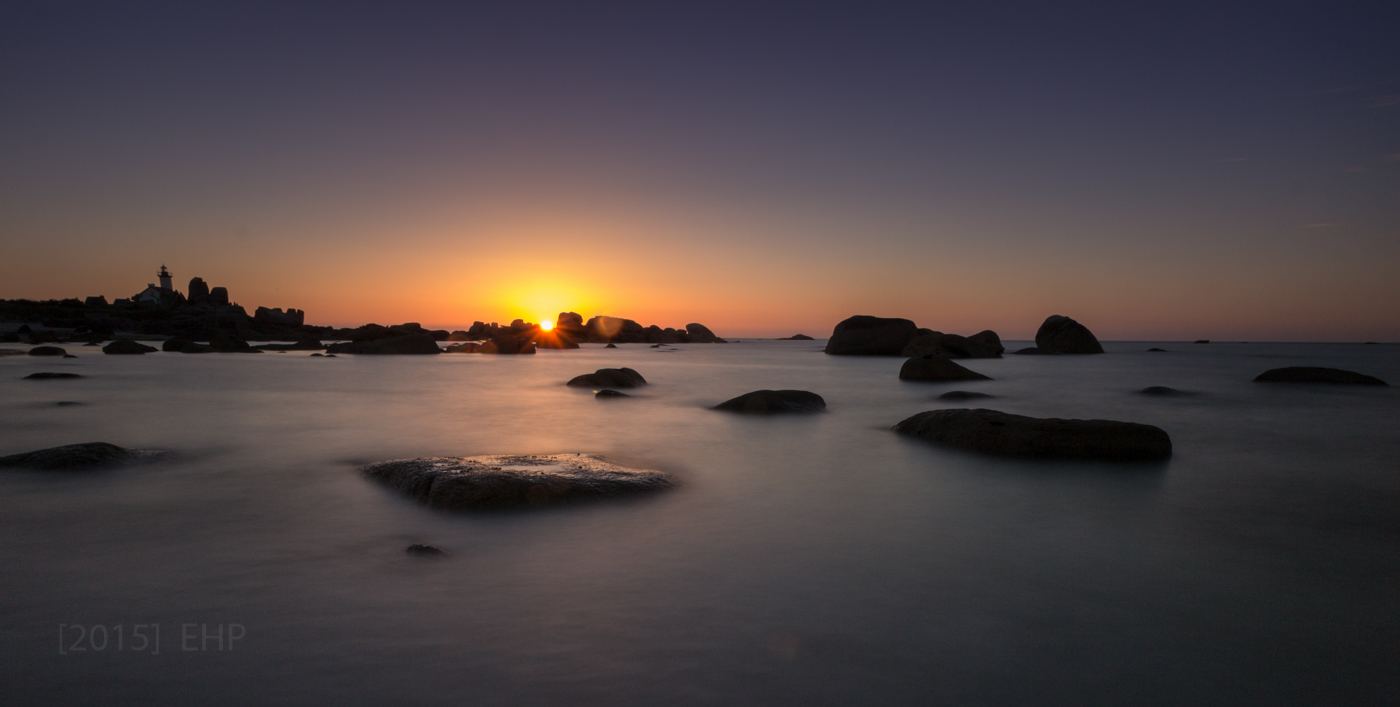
934	369
767	402
993	432
871	336
1311	374
127	346
609	378
493	482
407	344
1063	335
75	456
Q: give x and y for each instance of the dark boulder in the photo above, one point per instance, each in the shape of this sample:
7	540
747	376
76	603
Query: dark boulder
553	340
935	369
1310	374
507	344
174	344
198	290
768	402
68	355
1063	335
963	395
49	375
1156	350
605	393
398	345
47	351
797	337
610	346
424	551
497	482
127	346
1161	391
609	378
194	348
219	296
871	336
981	345
225	342
993	432
700	334
1201	341
74	456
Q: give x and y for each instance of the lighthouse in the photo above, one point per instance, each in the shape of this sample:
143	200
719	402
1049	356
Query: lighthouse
164	278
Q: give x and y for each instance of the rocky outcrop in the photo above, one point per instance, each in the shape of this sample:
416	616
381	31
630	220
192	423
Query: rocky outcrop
499	482
553	340
276	317
225	342
700	334
609	378
198	290
871	336
499	345
981	345
1310	374
1063	335
398	345
999	433
76	457
768	402
963	395
219	296
47	351
127	346
935	369
797	337
50	375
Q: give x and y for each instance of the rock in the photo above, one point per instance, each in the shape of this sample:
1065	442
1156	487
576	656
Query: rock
1161	390
1063	335
219	296
174	344
74	456
495	482
571	322
464	347
963	395
507	344
330	355
98	301
610	346
871	336
609	378
198	290
127	346
993	432
936	368
318	355
605	393
47	351
47	375
1032	351
1201	341
657	346
276	317
459	335
553	340
398	345
67	403
602	329
1156	350
797	337
225	342
194	348
424	551
767	402
1310	374
700	334
68	355
981	345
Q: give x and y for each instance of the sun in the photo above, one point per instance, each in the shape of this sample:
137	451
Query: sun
546	325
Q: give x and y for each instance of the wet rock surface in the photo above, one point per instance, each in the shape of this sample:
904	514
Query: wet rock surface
769	402
501	482
1313	374
1003	434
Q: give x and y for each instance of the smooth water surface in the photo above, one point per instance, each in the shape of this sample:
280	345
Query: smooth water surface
807	560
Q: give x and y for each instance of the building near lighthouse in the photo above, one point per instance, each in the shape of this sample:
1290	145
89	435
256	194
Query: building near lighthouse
163	294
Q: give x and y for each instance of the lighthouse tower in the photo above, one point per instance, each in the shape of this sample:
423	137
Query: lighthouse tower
164	278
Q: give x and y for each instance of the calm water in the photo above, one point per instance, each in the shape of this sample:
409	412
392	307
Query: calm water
804	561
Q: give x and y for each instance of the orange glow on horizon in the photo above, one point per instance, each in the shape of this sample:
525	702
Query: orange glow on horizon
546	324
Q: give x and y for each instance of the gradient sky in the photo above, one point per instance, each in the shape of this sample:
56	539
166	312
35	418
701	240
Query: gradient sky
1178	172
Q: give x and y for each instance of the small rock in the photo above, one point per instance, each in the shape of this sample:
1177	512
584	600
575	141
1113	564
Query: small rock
330	355
963	395
67	403
48	375
317	355
1156	350
68	355
1201	341
797	337
127	347
1160	390
610	346
767	402
424	551
1311	374
74	456
47	351
605	393
609	378
936	369
994	432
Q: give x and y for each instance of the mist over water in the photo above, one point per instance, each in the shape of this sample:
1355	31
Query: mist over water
803	560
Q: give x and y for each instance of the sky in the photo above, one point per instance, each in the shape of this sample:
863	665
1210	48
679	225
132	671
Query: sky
1182	171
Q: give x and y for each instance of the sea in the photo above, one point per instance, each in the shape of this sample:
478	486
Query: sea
801	560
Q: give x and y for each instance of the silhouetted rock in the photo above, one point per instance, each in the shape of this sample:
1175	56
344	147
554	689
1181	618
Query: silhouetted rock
174	344
46	351
67	403
1310	374
507	345
981	345
50	375
993	432
610	346
935	369
605	393
219	295
74	456
127	346
276	317
199	291
225	342
459	335
424	551
767	402
98	301
871	336
68	355
495	482
700	334
1063	335
1161	390
196	348
609	378
1156	350
797	337
1032	351
316	355
406	344
553	340
963	395
603	329
1201	341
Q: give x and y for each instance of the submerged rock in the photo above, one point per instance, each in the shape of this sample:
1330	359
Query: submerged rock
1311	374
1063	335
493	482
994	432
49	375
424	551
1156	350
127	346
932	368
610	346
47	351
963	395
75	456
1161	390
605	393
863	335
767	402
797	337
609	378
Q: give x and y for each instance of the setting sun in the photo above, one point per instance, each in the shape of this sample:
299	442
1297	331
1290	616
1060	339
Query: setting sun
545	324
